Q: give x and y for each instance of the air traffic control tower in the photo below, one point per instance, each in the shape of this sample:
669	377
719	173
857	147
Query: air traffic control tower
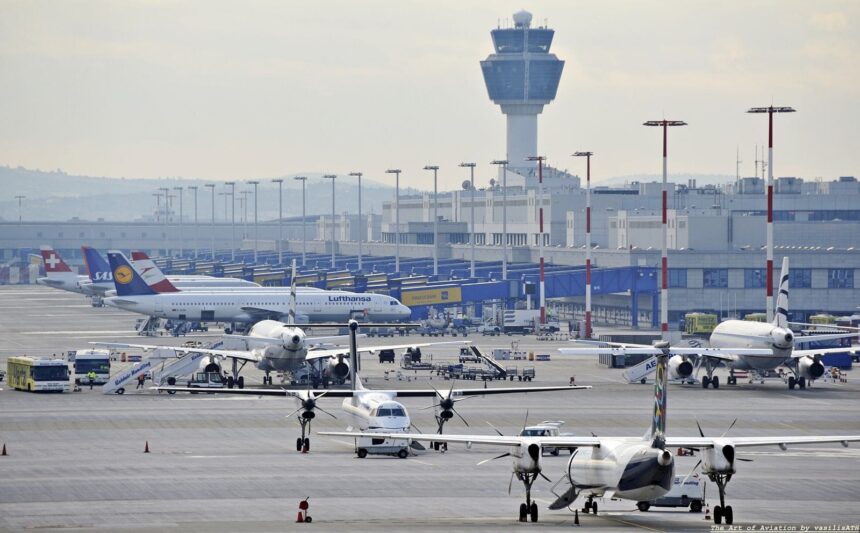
522	76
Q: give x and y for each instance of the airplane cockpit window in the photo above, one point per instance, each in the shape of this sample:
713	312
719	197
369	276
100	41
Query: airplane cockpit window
383	411
397	411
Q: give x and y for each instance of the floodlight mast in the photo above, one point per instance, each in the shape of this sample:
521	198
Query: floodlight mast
396	171
304	180
333	178
664	248
542	296
280	182
770	110
471	167
360	225
435	169
587	333
504	164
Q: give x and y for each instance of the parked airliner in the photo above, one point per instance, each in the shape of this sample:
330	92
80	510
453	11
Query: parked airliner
631	468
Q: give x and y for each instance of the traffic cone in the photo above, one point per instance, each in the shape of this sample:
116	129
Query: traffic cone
4	450
707	512
300	519
146	448
576	516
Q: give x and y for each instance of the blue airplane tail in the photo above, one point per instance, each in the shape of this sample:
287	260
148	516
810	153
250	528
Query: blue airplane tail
98	269
128	282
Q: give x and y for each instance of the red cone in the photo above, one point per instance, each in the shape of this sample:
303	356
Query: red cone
146	448
4	450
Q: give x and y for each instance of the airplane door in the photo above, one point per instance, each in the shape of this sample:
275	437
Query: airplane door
207	316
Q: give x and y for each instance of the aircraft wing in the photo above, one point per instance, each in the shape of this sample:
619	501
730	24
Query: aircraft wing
707	442
795	354
803	339
415	393
262	312
287	393
50	281
492	440
233	354
724	354
331	352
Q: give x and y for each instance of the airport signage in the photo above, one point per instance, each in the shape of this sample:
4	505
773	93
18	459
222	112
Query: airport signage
431	296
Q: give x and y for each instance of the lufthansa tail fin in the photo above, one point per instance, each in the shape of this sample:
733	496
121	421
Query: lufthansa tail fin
151	274
780	315
97	268
661	381
54	264
128	282
291	308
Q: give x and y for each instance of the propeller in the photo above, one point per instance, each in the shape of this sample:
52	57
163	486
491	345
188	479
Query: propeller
733	458
446	405
507	454
309	405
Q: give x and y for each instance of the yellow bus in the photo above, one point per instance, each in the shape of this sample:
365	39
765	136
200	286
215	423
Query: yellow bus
823	319
700	322
38	375
756	317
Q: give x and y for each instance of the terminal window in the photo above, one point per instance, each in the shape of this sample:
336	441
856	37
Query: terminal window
840	278
678	278
754	278
715	278
799	278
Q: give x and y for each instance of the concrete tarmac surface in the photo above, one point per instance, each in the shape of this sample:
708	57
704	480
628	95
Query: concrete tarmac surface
220	463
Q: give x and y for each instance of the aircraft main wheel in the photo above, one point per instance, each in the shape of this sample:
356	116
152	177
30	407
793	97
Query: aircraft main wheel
728	515
696	507
524	511
403	454
594	507
534	512
800	383
230	382
643	506
715	383
298	444
705	382
241	382
307	446
791	382
718	515
362	453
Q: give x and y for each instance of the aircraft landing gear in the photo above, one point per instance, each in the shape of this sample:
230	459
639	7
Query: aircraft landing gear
798	382
303	443
722	512
529	508
590	505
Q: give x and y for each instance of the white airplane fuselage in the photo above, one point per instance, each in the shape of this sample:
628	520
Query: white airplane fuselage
376	410
748	334
630	468
248	305
286	356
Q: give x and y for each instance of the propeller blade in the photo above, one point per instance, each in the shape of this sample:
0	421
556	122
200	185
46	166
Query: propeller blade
496	429
296	411
413	426
510	484
744	460
526	421
326	412
464	398
321	395
493	458
434	406
541	474
461	418
437	392
701	433
730	427
691	472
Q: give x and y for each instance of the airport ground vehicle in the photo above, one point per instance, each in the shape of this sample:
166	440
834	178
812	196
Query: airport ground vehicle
489	330
96	360
206	380
386	356
365	446
689	492
38	375
547	428
381	332
466	356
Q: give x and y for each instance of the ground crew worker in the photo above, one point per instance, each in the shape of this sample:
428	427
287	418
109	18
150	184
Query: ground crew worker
91	375
140	379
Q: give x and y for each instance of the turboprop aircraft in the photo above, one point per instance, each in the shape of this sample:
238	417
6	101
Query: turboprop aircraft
631	468
368	409
742	345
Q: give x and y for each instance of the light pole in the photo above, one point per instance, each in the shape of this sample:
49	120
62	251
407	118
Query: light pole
157	206
212	186
166	190
587	155
435	169
181	235
232	185
256	228
194	188
396	172
332	177
664	248
542	297
20	197
470	185
360	225
770	110
280	183
504	164
303	179
243	204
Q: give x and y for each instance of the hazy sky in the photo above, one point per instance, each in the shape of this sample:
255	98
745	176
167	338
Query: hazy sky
226	90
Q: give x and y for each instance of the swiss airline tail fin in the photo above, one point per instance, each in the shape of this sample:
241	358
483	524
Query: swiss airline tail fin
54	264
780	315
151	274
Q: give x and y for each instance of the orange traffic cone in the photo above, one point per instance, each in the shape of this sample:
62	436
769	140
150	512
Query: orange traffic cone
576	516
4	450
707	512
146	448
300	519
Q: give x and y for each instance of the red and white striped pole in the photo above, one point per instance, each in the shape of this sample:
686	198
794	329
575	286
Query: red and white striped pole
587	155
770	110
542	295
664	246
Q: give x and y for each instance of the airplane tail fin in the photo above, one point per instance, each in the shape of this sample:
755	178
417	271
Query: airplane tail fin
780	315
97	268
291	308
151	274
54	264
128	282
658	423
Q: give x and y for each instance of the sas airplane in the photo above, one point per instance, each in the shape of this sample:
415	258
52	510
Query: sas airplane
370	410
631	468
742	345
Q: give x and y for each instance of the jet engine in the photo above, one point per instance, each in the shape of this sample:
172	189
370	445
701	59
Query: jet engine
665	458
679	367
337	368
809	368
782	338
210	364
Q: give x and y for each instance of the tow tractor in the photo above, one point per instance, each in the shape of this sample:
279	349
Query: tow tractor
365	446
206	380
686	491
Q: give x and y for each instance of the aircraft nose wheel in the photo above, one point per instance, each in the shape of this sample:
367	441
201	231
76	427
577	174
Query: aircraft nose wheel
529	508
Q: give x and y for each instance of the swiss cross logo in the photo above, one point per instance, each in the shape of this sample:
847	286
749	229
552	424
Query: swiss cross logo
52	261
